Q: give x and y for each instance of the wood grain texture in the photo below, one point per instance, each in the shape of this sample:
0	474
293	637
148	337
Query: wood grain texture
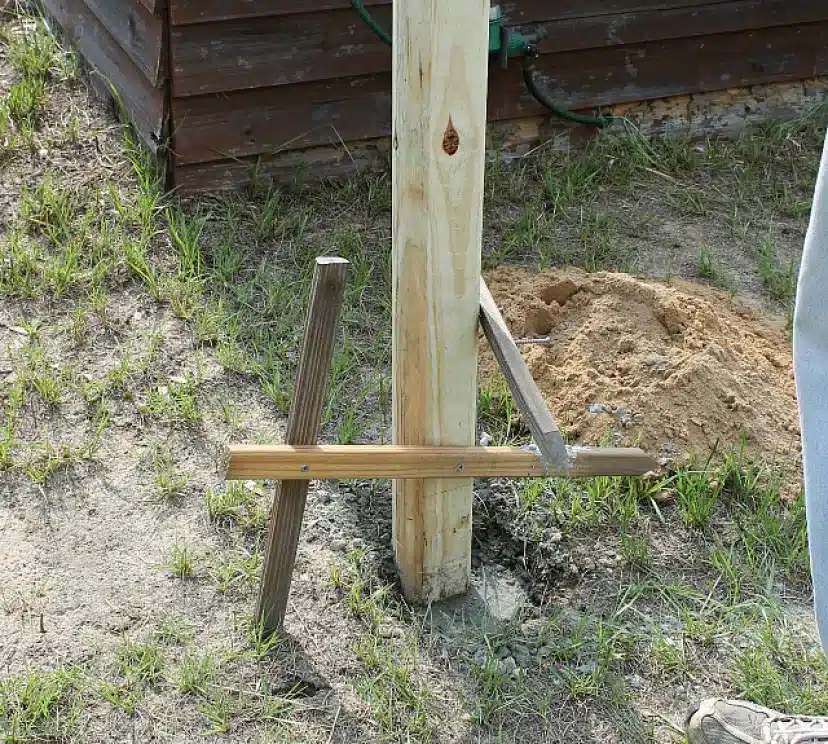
144	103
438	150
528	398
138	31
282	118
265	121
280	50
321	462
287	168
659	69
520	11
209	11
570	34
276	50
311	389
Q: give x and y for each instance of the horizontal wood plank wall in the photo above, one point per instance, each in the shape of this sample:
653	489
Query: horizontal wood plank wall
124	42
518	11
139	32
270	81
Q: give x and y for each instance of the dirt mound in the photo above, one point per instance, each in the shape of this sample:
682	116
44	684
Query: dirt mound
674	368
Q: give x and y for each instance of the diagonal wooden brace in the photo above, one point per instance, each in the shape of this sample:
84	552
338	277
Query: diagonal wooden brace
528	398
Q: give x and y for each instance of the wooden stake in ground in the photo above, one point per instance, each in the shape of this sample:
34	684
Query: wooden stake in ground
303	428
438	150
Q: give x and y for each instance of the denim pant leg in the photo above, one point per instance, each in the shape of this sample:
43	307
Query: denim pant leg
811	372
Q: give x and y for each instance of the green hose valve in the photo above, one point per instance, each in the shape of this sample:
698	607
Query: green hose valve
503	44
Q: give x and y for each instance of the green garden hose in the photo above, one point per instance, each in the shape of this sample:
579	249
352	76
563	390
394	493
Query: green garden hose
543	97
530	52
360	8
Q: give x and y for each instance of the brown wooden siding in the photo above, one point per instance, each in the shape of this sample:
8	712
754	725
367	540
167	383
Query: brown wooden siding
518	11
253	80
292	117
124	41
249	83
137	31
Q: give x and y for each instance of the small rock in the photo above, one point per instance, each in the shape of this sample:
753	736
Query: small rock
532	627
544	652
323	497
503	652
598	408
696	422
339	545
508	665
485	439
389	631
637	681
626	344
559	292
638	419
479	657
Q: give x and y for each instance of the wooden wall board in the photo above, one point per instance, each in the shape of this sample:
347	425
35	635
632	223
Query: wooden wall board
282	50
287	168
247	123
139	32
183	12
144	103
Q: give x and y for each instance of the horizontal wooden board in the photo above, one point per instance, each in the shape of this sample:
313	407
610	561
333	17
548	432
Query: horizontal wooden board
274	51
144	103
287	168
635	28
238	55
138	31
209	11
610	75
519	11
323	113
336	462
283	118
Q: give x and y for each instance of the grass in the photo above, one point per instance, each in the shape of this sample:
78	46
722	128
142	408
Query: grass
41	706
239	569
779	282
194	673
401	704
170	482
181	561
237	503
174	404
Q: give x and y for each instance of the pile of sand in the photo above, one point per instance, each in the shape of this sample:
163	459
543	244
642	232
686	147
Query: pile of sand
674	368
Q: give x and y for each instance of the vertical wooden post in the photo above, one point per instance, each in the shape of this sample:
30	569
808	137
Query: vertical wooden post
309	396
438	153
